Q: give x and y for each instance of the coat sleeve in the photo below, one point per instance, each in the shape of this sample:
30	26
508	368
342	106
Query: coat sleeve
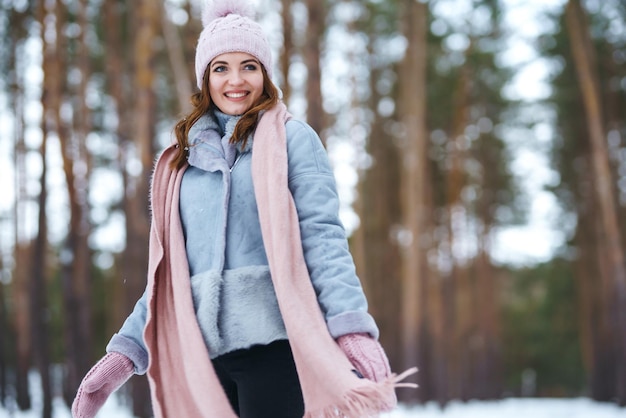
129	339
324	242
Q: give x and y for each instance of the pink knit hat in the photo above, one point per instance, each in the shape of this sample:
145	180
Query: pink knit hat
229	27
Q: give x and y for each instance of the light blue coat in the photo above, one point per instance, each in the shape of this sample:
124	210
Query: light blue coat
231	284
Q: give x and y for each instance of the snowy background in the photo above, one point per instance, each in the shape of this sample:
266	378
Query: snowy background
507	408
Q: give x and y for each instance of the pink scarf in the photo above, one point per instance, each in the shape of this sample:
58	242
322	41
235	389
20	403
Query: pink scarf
181	376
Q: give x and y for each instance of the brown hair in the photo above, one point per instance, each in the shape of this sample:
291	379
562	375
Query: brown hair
203	104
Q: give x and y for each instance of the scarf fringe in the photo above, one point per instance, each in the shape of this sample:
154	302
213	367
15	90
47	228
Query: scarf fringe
399	378
366	401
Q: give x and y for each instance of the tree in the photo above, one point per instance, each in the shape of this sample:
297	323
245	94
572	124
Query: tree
76	264
288	47
142	149
413	150
378	202
39	263
615	296
316	26
4	330
21	318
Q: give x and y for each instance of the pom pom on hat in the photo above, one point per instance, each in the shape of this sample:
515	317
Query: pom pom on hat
229	26
223	8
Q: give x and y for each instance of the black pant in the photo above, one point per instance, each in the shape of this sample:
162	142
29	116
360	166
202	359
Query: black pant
261	382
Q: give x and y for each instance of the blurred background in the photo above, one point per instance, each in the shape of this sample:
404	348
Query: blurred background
479	149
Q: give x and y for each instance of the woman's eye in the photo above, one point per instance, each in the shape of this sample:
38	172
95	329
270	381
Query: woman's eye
219	69
250	67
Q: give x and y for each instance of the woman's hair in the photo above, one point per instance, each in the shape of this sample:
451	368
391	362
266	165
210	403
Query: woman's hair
203	104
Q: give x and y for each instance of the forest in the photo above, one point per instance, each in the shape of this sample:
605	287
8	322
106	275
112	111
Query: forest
431	130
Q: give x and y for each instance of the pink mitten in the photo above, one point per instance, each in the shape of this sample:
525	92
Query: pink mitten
366	354
111	372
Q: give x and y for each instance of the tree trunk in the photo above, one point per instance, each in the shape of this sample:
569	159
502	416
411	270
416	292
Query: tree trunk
461	311
190	33
436	370
135	108
584	272
288	47
488	369
39	305
5	332
585	63
76	267
24	343
116	69
412	113
378	251
147	21
21	276
593	279
176	53
312	56
603	374
82	263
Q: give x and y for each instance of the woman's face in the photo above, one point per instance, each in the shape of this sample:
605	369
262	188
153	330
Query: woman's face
235	82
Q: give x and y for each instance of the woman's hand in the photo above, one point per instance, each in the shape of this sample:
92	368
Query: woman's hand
111	372
366	354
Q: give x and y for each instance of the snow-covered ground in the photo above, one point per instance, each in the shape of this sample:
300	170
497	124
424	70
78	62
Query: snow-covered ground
516	408
507	408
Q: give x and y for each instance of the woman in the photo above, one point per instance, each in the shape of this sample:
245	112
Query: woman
252	306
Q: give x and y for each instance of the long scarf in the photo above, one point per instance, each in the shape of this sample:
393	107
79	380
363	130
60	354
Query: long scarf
182	379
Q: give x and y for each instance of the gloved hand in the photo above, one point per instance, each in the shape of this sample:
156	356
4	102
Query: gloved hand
111	372
366	354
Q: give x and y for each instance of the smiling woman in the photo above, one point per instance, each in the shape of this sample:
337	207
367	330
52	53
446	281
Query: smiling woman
251	283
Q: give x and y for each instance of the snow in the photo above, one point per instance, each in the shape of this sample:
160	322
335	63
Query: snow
509	408
515	408
581	407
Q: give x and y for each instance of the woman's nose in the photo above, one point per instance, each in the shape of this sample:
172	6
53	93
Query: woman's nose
235	78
